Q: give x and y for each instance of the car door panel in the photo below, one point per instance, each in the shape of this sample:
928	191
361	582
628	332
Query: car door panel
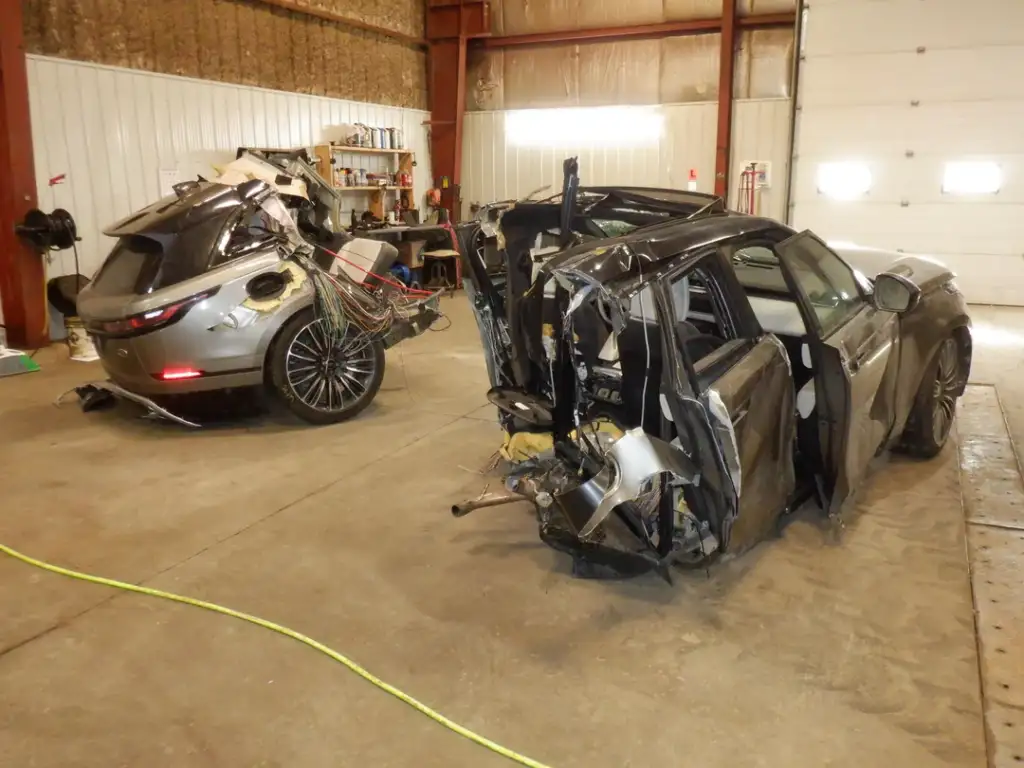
864	354
750	379
855	359
758	393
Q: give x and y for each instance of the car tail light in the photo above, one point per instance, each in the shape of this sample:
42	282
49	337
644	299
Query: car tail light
178	374
144	322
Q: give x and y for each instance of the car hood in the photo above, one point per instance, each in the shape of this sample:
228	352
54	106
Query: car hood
925	271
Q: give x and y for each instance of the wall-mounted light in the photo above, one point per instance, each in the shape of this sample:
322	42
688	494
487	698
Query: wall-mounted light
843	180
585	127
971	178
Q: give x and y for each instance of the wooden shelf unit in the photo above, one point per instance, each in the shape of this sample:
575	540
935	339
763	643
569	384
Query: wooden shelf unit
373	189
342	148
406	158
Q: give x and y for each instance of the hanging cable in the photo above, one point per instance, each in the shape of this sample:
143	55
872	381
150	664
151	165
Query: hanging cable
420	707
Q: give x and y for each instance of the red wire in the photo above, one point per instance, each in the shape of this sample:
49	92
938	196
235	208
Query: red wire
379	277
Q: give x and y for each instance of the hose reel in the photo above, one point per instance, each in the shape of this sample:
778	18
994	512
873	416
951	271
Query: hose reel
55	231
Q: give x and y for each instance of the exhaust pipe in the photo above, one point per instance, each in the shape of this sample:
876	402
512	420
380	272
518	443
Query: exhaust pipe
487	500
521	489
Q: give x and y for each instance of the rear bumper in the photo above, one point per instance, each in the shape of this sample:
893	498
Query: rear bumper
146	384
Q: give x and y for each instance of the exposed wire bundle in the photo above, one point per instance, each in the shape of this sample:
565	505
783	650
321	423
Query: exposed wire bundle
341	302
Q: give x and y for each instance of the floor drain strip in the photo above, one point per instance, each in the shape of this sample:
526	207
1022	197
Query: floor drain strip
993	497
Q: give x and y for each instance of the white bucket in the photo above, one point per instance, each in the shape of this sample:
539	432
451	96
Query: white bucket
79	343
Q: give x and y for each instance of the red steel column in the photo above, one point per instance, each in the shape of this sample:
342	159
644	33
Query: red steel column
21	270
450	24
723	145
447	105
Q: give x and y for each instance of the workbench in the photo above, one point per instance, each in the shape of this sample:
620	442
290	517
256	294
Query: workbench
410	240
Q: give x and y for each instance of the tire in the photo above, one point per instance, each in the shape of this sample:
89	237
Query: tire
931	418
321	388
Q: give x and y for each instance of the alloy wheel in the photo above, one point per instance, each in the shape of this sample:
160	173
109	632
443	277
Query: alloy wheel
945	389
327	372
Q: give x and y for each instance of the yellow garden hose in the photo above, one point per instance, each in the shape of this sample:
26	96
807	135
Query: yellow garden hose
363	673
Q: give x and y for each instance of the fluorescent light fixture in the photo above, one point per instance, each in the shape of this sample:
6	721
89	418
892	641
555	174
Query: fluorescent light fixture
843	180
585	126
972	178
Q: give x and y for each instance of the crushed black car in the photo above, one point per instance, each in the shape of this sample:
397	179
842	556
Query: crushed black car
673	377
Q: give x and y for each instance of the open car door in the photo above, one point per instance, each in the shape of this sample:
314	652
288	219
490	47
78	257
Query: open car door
852	345
745	391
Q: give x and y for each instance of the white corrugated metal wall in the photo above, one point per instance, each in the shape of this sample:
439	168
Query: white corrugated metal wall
116	132
904	87
494	169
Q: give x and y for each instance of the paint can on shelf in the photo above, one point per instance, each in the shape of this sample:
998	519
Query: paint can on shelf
397	139
385	138
364	135
375	138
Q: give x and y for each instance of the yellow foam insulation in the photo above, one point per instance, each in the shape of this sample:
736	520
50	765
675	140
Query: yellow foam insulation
523	446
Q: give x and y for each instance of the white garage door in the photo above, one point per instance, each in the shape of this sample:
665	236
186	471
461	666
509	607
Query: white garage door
910	133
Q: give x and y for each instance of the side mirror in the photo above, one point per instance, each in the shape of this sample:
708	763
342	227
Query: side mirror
895	293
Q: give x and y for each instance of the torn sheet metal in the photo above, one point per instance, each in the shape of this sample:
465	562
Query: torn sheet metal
251	167
135	397
722	424
631	462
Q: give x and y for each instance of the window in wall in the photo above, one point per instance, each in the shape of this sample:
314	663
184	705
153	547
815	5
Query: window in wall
843	180
585	126
971	178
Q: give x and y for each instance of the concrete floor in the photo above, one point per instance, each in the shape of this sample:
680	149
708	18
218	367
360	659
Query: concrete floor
850	648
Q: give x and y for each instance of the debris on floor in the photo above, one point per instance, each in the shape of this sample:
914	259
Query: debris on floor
13	362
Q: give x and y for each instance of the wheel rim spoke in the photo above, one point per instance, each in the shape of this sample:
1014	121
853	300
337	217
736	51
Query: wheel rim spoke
316	354
342	383
330	373
309	390
945	391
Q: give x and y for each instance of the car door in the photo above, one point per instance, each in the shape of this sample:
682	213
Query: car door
748	378
855	358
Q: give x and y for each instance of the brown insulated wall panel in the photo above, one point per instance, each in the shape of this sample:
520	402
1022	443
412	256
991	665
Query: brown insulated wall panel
227	40
764	64
542	77
685	10
248	48
749	7
619	73
359	67
208	39
523	17
485	80
83	29
185	30
266	66
300	59
405	16
689	69
243	41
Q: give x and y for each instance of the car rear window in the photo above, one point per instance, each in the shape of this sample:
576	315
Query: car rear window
132	267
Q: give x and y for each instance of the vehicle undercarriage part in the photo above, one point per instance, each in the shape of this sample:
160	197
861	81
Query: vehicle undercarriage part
91	398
